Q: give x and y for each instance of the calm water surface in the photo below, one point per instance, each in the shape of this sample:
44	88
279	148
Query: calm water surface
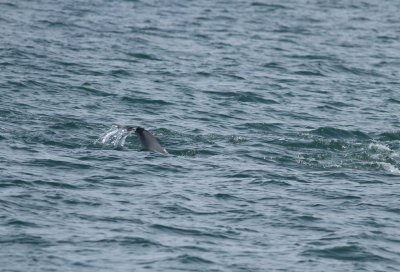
281	119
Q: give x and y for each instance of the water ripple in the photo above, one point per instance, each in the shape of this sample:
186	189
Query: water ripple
280	118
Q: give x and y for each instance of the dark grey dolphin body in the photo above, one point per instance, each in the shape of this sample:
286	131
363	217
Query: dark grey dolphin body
148	141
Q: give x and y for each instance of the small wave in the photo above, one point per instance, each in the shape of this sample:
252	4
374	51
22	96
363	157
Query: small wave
234	139
20	223
261	126
189	232
346	253
142	101
55	184
309	73
355	156
379	147
9	4
318	144
120	73
389	167
339	133
223	196
391	136
60	164
92	91
242	97
58	23
10	182
342	149
205	74
128	241
392	100
143	56
180	209
24	239
272	6
189	259
66	125
356	70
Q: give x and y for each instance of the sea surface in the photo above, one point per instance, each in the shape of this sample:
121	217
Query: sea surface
281	119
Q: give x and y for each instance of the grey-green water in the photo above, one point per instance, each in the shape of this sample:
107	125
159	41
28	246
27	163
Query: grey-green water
280	117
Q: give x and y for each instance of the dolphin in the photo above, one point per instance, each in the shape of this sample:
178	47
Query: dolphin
147	140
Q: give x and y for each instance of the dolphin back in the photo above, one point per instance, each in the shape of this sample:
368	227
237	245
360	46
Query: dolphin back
148	141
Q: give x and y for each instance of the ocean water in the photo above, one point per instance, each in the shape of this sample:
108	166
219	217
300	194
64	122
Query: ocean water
281	119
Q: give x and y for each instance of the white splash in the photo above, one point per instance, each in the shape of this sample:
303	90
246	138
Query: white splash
115	136
379	147
389	167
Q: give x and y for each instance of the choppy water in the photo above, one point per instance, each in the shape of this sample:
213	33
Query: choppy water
281	119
